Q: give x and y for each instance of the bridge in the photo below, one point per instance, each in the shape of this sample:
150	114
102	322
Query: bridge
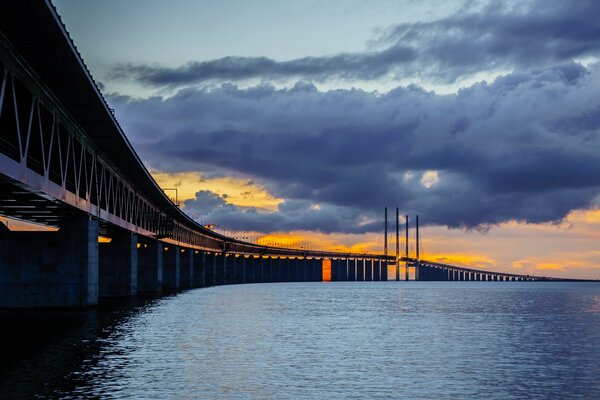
66	163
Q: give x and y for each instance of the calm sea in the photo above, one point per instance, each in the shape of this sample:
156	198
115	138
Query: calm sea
346	340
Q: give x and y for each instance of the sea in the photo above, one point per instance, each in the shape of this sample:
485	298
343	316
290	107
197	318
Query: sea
318	340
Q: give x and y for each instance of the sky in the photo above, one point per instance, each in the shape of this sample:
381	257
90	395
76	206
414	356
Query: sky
297	122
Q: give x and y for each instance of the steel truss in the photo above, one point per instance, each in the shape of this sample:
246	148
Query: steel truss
44	150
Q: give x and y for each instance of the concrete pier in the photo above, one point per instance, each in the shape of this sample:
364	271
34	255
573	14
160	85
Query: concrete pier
186	260
377	270
50	269
352	269
198	270
171	267
360	270
368	270
118	265
150	266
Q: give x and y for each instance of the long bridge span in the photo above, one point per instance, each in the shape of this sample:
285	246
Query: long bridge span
66	163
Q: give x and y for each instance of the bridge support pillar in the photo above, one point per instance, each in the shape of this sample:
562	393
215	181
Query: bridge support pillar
150	266
276	269
50	269
360	270
186	267
238	263
242	267
315	274
252	272
118	265
352	269
287	267
198	263
376	270
346	269
171	267
369	270
259	269
228	269
268	269
209	269
220	268
335	269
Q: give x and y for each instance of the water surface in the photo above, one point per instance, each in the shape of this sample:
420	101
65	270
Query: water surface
342	340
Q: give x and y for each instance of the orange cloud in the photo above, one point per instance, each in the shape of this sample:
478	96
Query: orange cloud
236	191
480	261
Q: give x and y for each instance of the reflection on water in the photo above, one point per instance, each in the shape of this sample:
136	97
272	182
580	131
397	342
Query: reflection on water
419	340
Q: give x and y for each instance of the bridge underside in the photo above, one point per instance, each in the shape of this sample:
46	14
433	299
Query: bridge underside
71	267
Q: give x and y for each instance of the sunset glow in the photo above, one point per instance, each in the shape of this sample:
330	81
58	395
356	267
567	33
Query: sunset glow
237	191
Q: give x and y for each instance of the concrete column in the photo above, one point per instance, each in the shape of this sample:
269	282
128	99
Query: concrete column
186	267
369	270
192	271
171	267
347	275
209	269
288	264
150	265
254	273
360	270
315	274
376	270
219	268
118	265
50	269
229	269
261	269
334	270
238	264
198	269
352	269
279	270
305	266
243	262
268	269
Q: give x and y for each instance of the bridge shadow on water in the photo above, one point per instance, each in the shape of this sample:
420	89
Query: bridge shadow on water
42	348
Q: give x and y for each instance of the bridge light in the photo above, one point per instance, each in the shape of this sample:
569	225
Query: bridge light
138	245
182	250
166	248
104	239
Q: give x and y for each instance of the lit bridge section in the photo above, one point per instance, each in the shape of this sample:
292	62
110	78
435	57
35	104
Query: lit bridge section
433	271
66	163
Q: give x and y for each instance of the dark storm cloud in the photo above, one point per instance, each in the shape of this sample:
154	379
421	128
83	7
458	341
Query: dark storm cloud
353	66
500	35
524	147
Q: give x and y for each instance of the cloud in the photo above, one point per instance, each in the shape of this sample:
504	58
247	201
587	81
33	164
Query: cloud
430	178
524	147
238	191
291	215
368	65
498	36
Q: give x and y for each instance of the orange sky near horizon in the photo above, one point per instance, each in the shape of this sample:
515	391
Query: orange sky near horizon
569	249
566	249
